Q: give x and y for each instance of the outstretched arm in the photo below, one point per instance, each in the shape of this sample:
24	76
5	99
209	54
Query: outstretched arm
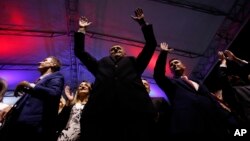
147	52
80	36
159	71
231	56
79	46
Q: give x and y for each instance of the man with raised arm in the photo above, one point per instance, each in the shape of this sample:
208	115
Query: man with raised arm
119	107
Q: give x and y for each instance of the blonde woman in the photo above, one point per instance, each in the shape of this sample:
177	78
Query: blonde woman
69	117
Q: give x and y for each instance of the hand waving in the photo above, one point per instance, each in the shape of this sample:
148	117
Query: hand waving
138	14
83	22
164	46
68	93
229	54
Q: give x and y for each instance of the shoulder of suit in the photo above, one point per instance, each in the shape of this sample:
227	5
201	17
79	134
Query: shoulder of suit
56	74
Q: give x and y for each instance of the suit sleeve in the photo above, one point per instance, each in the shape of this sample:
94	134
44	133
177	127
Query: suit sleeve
147	52
53	88
229	96
62	118
79	49
163	81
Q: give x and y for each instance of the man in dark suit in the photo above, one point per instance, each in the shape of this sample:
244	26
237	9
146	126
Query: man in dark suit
33	117
194	112
119	107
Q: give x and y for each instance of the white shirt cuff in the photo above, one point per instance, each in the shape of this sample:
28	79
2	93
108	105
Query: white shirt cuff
223	65
32	85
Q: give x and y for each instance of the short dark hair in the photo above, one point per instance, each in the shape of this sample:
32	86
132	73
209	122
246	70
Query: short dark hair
57	67
172	60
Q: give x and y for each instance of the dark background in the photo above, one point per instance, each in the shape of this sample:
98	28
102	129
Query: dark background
240	47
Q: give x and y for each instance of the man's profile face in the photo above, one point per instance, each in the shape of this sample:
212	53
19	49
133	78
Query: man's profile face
46	63
117	51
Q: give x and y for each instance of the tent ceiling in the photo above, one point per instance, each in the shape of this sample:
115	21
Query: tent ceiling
31	30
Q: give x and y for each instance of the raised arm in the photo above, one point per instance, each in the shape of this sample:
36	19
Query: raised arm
147	52
79	37
79	47
222	72
231	56
159	71
241	62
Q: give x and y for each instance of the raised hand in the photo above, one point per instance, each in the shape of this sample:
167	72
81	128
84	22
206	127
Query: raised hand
230	55
221	55
164	46
68	93
138	14
83	22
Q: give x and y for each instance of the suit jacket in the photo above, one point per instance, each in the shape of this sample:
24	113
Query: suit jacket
118	91
193	113
37	109
63	118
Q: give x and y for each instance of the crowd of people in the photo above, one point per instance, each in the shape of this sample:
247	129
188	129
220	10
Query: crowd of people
117	105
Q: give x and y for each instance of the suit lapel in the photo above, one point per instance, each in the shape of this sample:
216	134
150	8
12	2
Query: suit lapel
45	78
